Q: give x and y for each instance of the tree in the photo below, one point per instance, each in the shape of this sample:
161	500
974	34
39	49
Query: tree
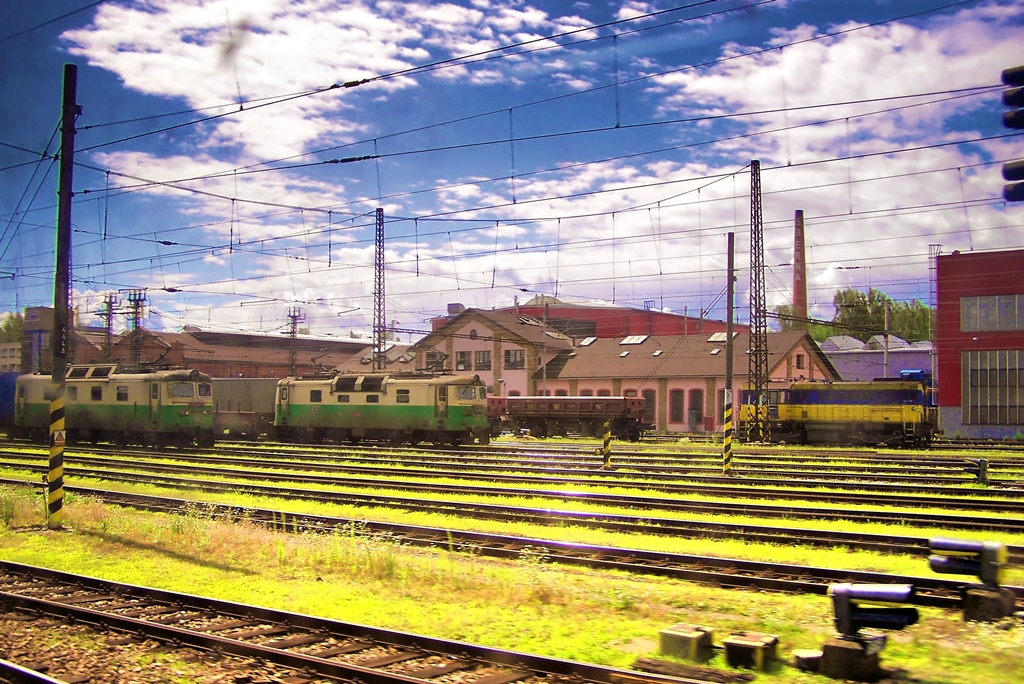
12	328
862	315
790	322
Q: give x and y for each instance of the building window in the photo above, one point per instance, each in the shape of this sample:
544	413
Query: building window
315	396
587	393
992	387
604	393
515	359
992	313
462	359
483	360
561	393
799	361
434	359
675	406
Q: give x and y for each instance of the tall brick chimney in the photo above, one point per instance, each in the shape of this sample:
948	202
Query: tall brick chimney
799	271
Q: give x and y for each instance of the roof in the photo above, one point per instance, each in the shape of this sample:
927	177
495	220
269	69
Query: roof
675	356
246	349
878	342
841	343
509	325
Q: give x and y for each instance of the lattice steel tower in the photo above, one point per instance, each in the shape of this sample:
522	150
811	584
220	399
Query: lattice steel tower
379	321
758	429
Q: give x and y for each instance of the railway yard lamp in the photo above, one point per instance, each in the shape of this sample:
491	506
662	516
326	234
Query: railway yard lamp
853	655
1014	98
982	559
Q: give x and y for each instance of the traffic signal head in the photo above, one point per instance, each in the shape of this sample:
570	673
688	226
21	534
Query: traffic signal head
984	560
1014	98
875	606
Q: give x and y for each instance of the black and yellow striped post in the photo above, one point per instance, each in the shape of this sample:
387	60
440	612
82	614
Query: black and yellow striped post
61	300
55	476
727	440
606	450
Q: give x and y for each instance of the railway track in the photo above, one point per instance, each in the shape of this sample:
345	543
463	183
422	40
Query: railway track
630	524
1006	501
723	572
320	649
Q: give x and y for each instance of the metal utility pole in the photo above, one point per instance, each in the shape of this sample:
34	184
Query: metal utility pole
136	302
758	374
295	315
61	300
379	321
730	294
108	318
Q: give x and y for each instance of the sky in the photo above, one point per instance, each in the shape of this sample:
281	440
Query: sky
230	156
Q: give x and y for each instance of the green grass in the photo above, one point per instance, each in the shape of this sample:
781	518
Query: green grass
526	604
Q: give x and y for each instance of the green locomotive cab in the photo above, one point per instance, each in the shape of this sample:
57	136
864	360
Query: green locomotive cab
397	409
104	403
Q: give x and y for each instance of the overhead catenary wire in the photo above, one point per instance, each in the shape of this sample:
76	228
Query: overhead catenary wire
440	217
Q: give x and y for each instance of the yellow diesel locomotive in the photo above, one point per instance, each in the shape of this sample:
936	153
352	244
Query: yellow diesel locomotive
890	411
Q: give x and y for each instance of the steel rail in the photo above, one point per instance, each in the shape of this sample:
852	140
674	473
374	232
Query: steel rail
208	623
713	570
634	524
970	521
809	490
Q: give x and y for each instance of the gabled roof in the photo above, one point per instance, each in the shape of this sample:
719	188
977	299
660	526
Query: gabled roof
677	356
842	343
508	325
878	342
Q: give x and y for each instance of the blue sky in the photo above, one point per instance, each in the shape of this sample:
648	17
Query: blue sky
587	150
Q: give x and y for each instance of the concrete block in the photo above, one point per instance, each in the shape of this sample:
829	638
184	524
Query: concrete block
690	642
754	650
807	659
850	659
982	604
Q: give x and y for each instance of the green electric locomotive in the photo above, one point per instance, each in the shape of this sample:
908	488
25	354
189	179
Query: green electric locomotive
105	404
397	409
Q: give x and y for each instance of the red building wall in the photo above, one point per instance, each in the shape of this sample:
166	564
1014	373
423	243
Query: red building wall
967	274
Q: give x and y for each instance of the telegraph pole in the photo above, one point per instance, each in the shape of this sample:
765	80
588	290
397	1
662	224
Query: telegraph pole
730	295
61	300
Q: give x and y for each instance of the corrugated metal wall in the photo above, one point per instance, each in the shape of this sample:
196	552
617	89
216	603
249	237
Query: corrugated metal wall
244	394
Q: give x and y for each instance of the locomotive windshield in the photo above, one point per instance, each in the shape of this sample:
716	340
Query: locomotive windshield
467	392
181	390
